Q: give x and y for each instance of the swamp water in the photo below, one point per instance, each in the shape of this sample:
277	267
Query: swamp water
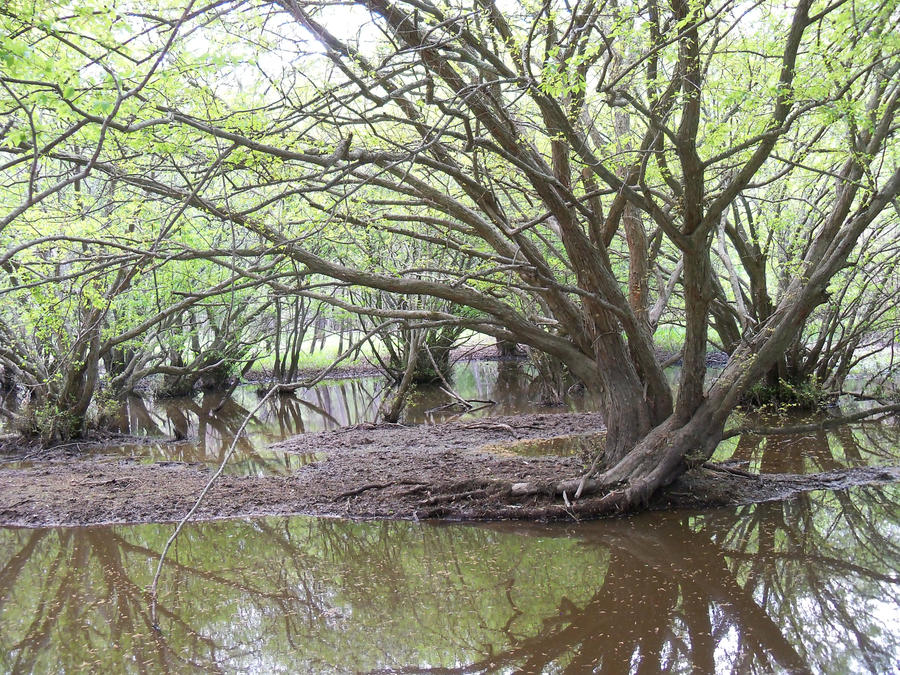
209	421
810	584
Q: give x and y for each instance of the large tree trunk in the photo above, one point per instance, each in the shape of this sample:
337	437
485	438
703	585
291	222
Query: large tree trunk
655	461
625	409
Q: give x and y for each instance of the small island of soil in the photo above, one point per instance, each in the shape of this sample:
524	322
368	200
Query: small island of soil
456	470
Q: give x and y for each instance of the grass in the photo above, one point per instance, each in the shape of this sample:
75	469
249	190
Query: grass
321	358
670	338
324	357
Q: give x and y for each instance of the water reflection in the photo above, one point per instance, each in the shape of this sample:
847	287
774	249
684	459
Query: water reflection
865	444
573	445
202	429
808	584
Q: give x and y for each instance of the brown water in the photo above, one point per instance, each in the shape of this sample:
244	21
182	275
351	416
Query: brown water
809	584
865	444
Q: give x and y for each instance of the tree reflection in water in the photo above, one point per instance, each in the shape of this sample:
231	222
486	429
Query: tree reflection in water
866	444
205	424
802	585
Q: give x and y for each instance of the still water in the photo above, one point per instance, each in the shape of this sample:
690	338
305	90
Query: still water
810	584
208	421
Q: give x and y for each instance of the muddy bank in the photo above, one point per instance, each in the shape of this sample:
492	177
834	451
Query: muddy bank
450	470
14	449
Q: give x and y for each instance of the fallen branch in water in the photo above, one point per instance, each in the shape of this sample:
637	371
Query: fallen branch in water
735	471
451	392
466	405
813	426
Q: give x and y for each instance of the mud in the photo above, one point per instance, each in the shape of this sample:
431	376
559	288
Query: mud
455	470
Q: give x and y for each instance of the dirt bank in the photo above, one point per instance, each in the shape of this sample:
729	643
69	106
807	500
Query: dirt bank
370	471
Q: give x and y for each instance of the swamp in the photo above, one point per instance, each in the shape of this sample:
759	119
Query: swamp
471	336
807	583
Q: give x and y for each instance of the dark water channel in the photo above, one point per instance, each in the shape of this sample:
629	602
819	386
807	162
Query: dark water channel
811	584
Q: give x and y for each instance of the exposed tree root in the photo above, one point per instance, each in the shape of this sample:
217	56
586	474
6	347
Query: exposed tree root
710	485
378	486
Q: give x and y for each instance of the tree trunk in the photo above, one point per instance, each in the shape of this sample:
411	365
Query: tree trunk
7	379
654	462
638	270
392	411
508	350
280	359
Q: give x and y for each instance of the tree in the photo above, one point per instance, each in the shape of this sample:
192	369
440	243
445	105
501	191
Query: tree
588	160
